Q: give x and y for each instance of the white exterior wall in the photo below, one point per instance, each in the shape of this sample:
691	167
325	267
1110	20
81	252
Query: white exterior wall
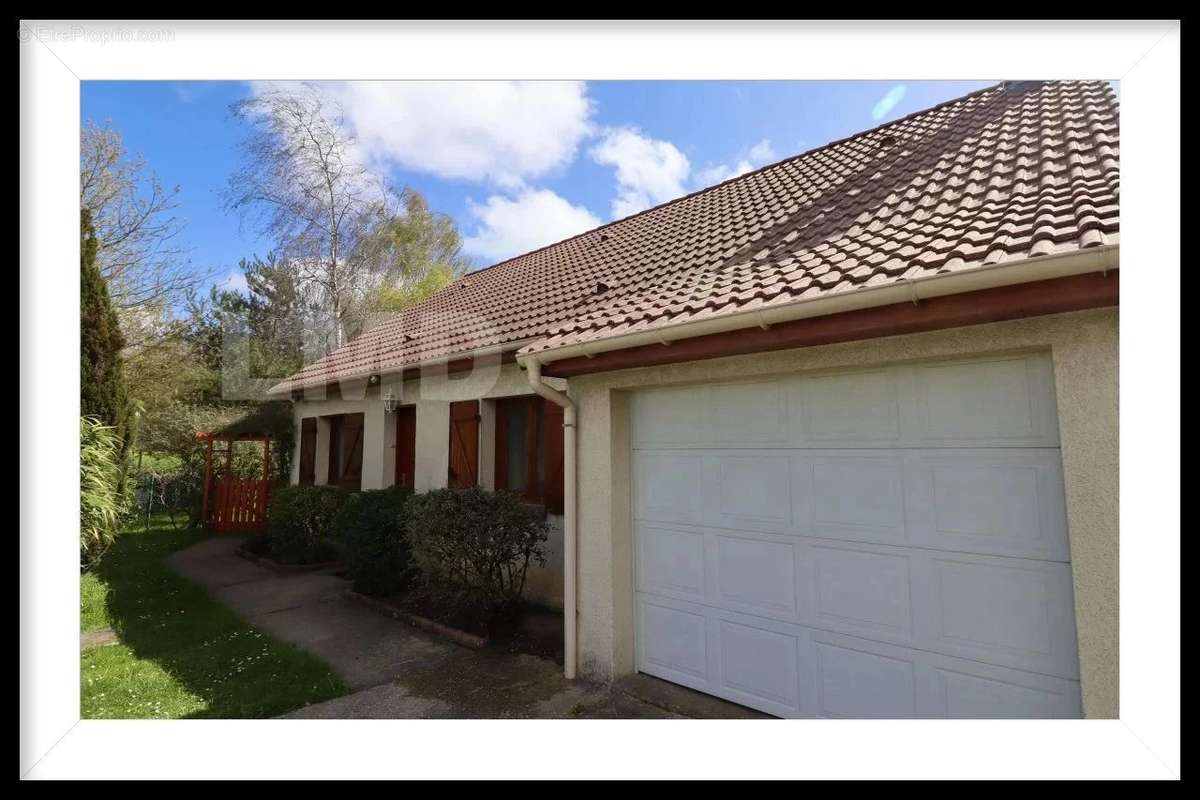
432	397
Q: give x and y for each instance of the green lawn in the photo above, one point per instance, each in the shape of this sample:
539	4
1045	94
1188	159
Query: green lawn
181	653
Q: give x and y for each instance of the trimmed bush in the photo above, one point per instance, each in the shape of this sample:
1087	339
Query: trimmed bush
300	523
371	526
473	547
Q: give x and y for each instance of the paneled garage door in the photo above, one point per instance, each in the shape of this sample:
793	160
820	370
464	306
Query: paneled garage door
875	543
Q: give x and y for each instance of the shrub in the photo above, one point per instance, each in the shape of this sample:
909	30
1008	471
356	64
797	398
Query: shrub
101	503
372	525
473	548
300	523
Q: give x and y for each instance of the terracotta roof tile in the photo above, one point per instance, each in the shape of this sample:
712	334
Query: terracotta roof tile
999	175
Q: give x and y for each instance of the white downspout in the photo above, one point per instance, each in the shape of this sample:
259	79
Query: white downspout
533	371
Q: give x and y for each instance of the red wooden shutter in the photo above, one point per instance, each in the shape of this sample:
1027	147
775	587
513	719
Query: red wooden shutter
501	445
464	444
406	446
308	451
552	449
351	471
335	449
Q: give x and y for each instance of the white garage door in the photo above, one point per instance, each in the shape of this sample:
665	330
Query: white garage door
874	543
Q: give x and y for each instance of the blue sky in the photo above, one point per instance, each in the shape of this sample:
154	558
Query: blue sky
518	165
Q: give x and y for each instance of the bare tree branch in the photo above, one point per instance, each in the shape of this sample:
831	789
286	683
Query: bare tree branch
136	224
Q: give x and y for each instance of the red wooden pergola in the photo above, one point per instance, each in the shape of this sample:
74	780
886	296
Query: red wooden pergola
231	503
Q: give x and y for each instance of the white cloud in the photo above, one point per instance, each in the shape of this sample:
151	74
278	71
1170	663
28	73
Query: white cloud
710	176
762	152
649	171
888	101
534	218
753	158
504	132
234	282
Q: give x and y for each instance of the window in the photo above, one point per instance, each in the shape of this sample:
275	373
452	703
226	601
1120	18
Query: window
529	450
345	451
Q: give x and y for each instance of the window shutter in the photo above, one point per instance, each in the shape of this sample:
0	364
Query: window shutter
552	445
464	444
308	451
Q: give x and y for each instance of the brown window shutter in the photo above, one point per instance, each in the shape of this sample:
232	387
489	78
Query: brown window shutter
308	451
406	446
501	445
464	444
552	447
335	449
351	477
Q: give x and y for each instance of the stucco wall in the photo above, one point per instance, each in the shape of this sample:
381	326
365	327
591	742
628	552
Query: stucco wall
1084	349
432	396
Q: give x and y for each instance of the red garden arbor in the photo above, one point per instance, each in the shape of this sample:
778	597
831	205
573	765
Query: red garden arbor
233	503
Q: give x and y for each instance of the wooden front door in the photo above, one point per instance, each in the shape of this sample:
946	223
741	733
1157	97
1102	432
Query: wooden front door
464	444
406	445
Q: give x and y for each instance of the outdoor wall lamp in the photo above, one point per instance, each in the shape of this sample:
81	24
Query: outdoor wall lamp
390	401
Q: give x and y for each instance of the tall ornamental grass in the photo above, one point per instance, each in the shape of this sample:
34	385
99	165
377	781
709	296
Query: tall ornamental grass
101	500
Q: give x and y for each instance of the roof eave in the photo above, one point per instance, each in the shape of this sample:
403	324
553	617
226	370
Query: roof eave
1009	273
286	388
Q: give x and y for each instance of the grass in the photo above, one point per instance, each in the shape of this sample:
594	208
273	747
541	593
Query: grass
181	654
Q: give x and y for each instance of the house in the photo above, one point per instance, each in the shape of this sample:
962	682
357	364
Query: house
834	438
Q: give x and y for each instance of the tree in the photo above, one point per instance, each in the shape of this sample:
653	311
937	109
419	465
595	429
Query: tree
421	252
166	371
300	185
390	299
103	393
136	226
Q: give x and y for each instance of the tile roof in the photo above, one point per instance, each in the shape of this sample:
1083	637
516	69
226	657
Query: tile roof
1003	174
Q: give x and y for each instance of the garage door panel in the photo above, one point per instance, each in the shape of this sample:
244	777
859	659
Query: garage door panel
673	640
973	691
993	401
761	664
749	414
1013	612
671	418
979	500
669	486
756	575
794	671
862	590
854	682
1003	502
1005	611
863	407
856	496
1001	401
671	562
751	489
886	542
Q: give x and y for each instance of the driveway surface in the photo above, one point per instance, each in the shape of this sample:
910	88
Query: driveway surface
395	671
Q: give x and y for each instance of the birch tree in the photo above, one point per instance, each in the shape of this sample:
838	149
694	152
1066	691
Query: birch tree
300	185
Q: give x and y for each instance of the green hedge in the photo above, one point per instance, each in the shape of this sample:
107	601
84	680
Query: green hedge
372	528
473	547
300	523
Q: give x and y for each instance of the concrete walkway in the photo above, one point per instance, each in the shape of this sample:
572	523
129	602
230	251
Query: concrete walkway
398	672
